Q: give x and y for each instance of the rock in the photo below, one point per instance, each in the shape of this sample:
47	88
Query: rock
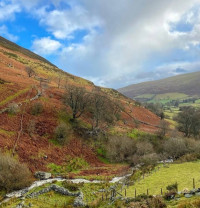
193	191
42	175
197	193
188	195
78	202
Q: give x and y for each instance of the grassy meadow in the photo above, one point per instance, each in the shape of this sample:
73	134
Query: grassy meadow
183	174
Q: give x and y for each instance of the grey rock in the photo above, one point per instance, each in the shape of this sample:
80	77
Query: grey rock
78	202
188	195
42	175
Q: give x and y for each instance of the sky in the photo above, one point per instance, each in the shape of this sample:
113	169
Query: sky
113	43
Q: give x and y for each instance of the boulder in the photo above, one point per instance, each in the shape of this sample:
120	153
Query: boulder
42	175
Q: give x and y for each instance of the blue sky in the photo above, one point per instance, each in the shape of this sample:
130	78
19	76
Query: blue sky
112	43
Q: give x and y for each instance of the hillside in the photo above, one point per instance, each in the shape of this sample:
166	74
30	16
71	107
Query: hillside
187	84
38	149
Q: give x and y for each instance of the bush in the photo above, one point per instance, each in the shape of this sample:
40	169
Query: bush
170	195
76	163
172	187
13	175
175	147
36	108
120	149
71	186
144	148
62	133
13	108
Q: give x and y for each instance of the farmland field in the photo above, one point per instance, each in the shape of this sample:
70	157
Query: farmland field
183	174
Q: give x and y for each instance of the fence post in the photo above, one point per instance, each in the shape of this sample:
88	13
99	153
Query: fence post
125	192
135	192
147	192
193	183
161	192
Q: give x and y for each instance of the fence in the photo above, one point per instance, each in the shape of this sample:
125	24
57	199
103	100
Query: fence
123	190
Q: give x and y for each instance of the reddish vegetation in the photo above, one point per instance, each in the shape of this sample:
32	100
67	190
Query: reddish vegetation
36	150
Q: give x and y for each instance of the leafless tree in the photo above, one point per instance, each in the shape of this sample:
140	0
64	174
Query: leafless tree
163	128
77	98
29	71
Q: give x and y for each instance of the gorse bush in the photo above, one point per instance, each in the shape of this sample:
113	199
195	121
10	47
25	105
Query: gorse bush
13	175
37	108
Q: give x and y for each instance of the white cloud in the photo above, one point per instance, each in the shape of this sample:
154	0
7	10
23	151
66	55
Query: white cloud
122	36
63	23
4	32
131	33
46	46
8	10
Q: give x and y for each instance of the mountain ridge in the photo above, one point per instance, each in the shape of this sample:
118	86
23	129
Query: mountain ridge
185	83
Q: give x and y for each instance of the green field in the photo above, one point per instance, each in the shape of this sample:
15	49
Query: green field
183	174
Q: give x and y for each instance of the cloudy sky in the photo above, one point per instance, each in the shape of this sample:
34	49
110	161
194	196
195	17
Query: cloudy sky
113	43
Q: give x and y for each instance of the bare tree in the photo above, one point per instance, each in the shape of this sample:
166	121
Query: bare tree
29	71
77	98
163	128
102	109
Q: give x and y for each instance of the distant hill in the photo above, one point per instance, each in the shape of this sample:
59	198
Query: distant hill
180	85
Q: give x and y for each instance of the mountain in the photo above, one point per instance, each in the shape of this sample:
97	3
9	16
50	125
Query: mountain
177	87
31	109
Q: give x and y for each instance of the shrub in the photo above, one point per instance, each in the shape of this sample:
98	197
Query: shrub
13	175
170	195
156	202
13	108
149	159
144	148
172	187
76	163
175	147
62	132
120	149
36	108
71	186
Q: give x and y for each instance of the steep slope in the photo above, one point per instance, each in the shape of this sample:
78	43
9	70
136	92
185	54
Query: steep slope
187	84
47	86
